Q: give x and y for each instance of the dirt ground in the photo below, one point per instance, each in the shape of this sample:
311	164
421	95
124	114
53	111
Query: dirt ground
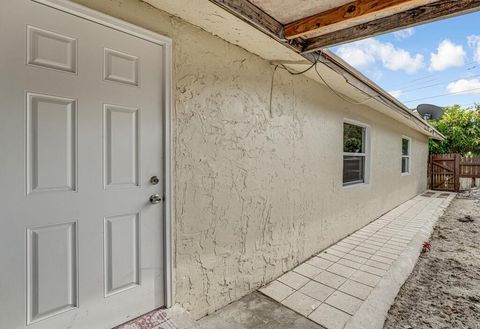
443	290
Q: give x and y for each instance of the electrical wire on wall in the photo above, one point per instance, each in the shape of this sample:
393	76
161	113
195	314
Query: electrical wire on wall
340	95
291	72
314	66
271	91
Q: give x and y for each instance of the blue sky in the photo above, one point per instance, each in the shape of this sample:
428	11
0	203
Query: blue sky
436	63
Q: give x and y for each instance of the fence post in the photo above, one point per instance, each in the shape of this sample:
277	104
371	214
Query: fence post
429	171
457	172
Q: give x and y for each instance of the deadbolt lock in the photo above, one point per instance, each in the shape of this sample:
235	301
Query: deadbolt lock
154	180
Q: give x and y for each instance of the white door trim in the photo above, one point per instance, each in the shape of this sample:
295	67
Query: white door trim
166	43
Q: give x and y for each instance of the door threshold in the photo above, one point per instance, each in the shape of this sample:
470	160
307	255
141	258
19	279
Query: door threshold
156	319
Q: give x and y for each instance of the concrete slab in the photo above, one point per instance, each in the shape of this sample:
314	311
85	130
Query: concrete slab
256	311
294	280
320	263
344	302
330	317
356	289
277	290
330	279
317	290
307	270
301	303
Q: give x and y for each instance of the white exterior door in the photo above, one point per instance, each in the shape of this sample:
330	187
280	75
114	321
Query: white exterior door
81	110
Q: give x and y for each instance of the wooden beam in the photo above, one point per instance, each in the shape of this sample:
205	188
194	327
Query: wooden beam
251	14
420	15
352	13
256	17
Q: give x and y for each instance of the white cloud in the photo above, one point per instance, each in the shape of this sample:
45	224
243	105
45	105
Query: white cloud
474	42
448	55
465	86
404	34
376	74
356	56
366	52
396	93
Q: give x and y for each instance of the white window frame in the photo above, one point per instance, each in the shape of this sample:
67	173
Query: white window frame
365	154
408	156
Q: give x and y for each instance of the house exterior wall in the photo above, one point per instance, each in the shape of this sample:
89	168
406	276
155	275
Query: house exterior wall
259	190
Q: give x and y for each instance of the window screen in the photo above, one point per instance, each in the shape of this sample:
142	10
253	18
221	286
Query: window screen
353	154
405	155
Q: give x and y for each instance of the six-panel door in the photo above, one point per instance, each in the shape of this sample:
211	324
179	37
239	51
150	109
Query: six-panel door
81	136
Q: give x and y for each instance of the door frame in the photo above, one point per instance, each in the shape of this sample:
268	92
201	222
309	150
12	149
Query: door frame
166	43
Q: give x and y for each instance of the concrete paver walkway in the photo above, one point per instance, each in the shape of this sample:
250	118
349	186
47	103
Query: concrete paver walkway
353	283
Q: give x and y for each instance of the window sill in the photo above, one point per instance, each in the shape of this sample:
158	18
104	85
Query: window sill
406	174
350	186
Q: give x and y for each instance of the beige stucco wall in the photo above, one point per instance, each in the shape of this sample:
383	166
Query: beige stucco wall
258	191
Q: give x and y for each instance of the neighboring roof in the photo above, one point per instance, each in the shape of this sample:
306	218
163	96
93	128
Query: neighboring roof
259	39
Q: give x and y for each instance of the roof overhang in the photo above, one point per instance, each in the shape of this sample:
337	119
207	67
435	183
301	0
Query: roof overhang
379	95
246	25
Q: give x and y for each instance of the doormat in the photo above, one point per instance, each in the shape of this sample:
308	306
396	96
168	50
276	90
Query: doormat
428	194
443	195
156	319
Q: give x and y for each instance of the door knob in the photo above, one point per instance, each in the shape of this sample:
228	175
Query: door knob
155	198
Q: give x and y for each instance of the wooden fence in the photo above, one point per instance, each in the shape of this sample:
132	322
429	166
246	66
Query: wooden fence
445	171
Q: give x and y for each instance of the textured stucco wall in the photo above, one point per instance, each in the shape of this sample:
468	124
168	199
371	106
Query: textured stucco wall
257	190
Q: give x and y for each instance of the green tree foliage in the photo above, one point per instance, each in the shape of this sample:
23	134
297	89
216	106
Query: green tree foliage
352	138
461	128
